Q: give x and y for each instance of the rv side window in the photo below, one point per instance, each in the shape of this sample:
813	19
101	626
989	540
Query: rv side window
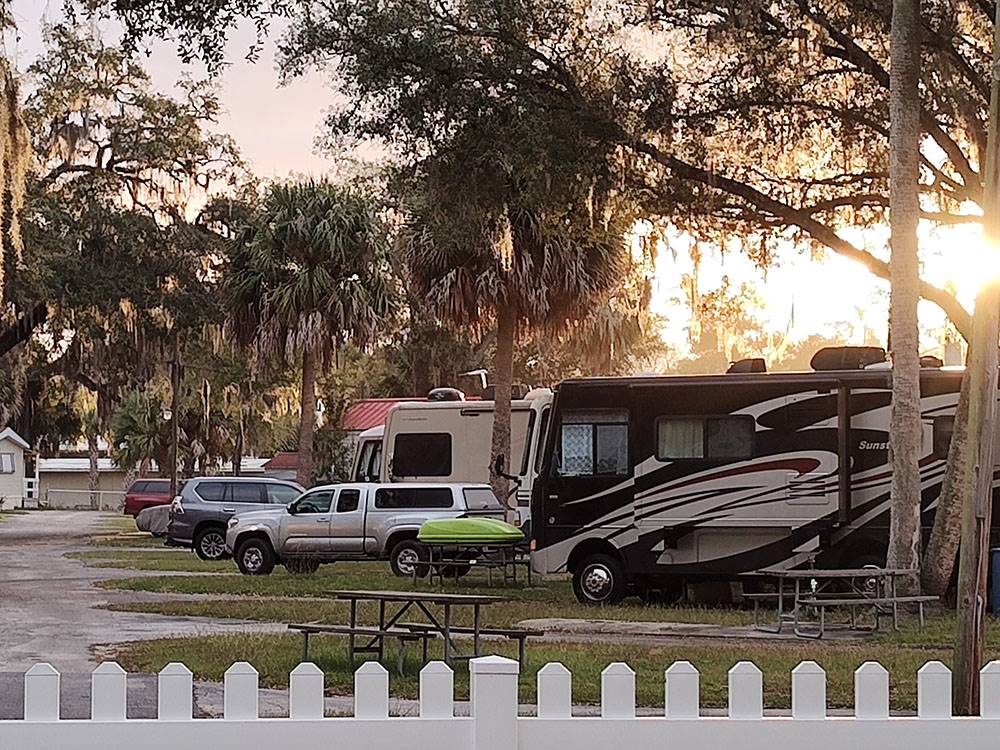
528	436
543	428
422	454
368	464
711	437
943	428
593	444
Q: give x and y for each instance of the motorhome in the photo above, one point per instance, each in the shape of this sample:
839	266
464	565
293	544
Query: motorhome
649	483
450	441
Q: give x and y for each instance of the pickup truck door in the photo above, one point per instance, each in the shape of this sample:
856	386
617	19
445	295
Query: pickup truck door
347	526
308	523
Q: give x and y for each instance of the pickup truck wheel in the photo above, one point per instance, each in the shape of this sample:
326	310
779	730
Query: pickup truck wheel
407	555
301	566
210	543
254	557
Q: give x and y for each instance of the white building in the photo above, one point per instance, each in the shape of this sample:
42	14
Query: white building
12	448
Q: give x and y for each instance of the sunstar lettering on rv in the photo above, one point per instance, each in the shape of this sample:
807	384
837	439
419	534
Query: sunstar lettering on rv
648	483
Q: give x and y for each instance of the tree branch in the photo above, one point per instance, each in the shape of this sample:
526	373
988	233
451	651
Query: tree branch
23	327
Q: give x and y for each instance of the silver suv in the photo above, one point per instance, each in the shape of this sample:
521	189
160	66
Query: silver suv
352	522
198	515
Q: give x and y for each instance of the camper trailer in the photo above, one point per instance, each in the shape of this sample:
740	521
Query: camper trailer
450	441
649	483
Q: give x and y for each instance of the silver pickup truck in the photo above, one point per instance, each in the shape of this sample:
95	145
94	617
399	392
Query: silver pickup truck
351	522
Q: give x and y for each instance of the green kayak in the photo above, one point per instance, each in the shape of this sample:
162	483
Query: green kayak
469	531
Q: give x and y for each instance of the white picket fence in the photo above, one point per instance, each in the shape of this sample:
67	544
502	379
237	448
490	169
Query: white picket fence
494	723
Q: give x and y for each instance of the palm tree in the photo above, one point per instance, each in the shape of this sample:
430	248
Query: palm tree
487	248
307	273
139	434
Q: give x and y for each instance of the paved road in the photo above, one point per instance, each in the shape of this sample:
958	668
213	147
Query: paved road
50	610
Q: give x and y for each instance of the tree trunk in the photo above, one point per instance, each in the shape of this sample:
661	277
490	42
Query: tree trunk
93	471
942	548
503	366
905	427
977	474
307	420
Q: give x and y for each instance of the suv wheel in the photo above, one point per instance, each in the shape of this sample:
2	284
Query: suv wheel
254	557
210	543
599	579
301	566
406	556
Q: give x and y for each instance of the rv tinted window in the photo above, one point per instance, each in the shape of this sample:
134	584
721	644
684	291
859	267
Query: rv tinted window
370	461
480	498
944	426
422	454
413	497
593	444
540	442
710	437
528	436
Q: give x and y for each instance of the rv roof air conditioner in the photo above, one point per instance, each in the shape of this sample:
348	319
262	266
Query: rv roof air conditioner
754	364
847	357
445	394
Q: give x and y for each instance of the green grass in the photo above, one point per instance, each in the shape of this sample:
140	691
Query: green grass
120	531
274	656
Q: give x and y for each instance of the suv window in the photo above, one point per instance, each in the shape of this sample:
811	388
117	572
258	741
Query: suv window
281	494
138	487
246	492
348	500
413	497
480	498
211	492
157	486
422	454
315	502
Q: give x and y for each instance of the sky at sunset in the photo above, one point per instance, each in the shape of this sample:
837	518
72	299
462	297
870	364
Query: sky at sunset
276	127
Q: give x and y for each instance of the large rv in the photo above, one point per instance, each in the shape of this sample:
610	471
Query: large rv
450	441
648	483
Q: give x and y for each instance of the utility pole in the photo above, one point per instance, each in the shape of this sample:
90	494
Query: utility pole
175	410
976	481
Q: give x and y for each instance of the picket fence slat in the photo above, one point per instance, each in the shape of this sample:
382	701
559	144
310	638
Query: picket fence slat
240	701
555	692
618	691
494	722
175	696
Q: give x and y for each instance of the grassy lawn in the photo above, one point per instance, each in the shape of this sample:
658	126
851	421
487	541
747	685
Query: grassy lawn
120	531
275	656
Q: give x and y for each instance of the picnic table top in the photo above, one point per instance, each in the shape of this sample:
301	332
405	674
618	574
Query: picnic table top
837	572
427	597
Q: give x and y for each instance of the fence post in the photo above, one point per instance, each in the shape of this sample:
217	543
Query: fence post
989	691
174	698
618	691
808	691
934	691
871	691
41	693
746	691
437	691
555	692
371	691
108	692
305	692
494	702
240	686
681	697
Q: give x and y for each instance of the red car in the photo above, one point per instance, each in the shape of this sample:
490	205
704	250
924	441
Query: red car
145	493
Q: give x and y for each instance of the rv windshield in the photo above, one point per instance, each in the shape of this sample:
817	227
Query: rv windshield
480	498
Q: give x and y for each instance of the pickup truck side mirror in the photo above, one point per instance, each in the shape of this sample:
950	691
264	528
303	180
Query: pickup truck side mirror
293	508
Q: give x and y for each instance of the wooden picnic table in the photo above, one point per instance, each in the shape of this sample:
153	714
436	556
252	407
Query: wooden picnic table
882	596
393	605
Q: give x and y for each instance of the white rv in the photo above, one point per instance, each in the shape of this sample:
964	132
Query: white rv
450	441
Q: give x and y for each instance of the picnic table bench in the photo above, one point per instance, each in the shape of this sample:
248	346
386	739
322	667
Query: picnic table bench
877	592
515	634
378	635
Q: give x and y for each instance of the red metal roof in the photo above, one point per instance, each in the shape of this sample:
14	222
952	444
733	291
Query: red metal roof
283	462
369	412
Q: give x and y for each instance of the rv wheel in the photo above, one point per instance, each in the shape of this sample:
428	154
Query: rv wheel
599	579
